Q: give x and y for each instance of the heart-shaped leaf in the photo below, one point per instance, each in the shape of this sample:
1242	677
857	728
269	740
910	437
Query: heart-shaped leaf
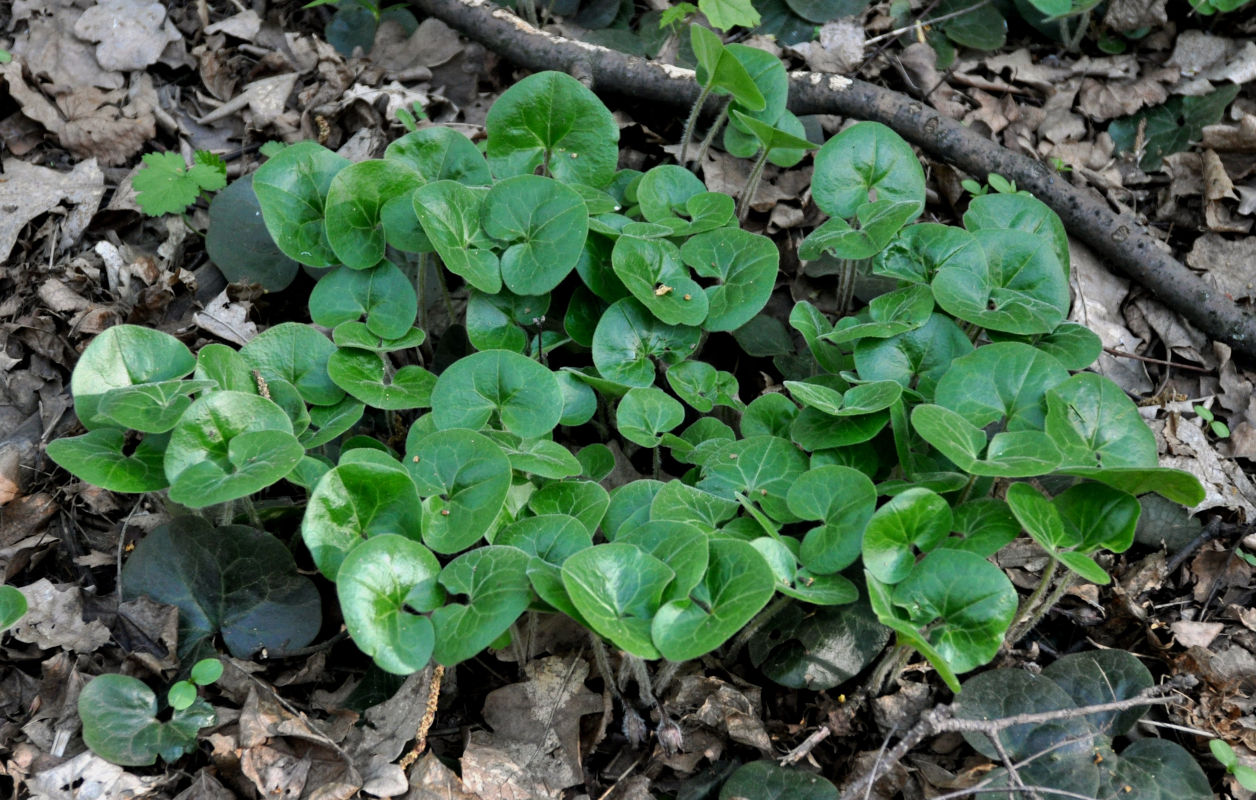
543	225
878	222
378	580
358	335
1007	692
450	215
1073	345
291	189
495	582
1098	517
916	359
585	500
680	502
365	376
920	251
681	546
652	271
664	191
1103	676
630	506
232	580
643	414
737	584
380	292
1095	424
239	244
354	206
503	321
818	649
438	153
1022	289
627	339
1018	211
100	458
986	524
297	354
356	500
543	458
865	159
917	519
228	445
1173	484
551	120
466	477
1157	770
744	266
120	724
841	498
889	314
1005	381
498	386
121	357
761	468
618	588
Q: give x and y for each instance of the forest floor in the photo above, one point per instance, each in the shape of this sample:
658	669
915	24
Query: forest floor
93	86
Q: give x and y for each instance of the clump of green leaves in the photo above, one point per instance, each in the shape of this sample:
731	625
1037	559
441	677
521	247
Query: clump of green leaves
167	185
355	22
120	717
862	493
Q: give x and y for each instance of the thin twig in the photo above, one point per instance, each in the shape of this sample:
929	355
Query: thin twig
1211	531
925	23
1112	351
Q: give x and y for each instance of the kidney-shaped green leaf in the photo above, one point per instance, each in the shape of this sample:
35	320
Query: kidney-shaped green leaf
441	154
643	414
465	477
1005	381
1095	424
543	224
864	160
498	386
652	271
291	189
120	724
354	206
100	457
297	354
494	581
917	518
841	498
365	376
382	293
450	215
761	468
627	339
744	266
121	357
1103	676
618	588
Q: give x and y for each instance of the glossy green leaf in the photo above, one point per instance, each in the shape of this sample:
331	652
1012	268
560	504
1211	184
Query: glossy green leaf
358	335
841	498
495	582
1176	485
1103	676
465	474
292	189
579	399
818	649
438	153
628	339
920	251
917	359
1006	381
382	293
761	467
450	215
618	588
354	205
665	190
866	158
1008	692
630	505
769	75
543	458
889	314
585	500
553	538
551	120
297	354
503	321
1019	212
543	225
813	395
1022	289
695	383
1015	454
120	724
917	519
815	430
653	272
815	329
768	415
357	500
744	266
1074	346
1095	424
721	70
12	606
596	460
644	413
366	376
121	357
1098	517
736	586
328	422
233	581
681	546
1156	769
679	502
378	580
878	222
498	387
228	445
100	458
973	598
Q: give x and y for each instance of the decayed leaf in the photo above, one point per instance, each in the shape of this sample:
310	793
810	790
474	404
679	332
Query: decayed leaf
55	619
132	33
29	191
89	775
1098	297
1196	634
722	707
839	47
1103	100
534	749
1130	15
431	778
226	319
1227	264
1224	481
49	47
244	25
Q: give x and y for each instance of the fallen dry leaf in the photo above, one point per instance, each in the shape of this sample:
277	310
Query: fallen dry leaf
430	778
89	775
31	190
49	47
1226	264
55	619
132	33
226	319
1196	634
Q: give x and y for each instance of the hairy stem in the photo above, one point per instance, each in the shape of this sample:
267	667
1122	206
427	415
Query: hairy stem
716	127
692	122
752	186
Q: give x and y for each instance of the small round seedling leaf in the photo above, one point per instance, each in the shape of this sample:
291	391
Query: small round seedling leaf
973	599
121	357
986	524
206	671
1103	676
356	500
228	445
767	780
917	519
120	724
364	375
379	581
232	580
503	321
1095	424
354	206
12	606
652	271
1098	517
643	414
450	215
761	468
100	458
498	386
494	580
695	383
844	500
866	158
543	225
744	266
628	338
618	588
297	354
291	189
1005	381
664	191
596	460
382	293
441	154
738	583
181	695
464	473
239	244
550	119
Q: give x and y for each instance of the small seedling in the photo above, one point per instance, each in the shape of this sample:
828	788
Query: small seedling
1223	752
1218	428
12	606
183	693
409	119
167	185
